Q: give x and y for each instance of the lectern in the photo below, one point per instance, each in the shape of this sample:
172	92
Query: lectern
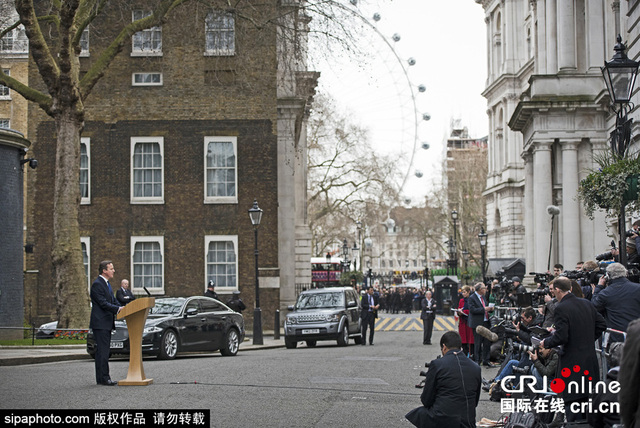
135	313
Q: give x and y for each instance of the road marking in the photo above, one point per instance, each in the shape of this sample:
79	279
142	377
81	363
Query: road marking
349	380
414	323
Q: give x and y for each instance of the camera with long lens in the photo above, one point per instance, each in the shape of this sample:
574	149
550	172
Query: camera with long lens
521	347
630	233
423	373
604	256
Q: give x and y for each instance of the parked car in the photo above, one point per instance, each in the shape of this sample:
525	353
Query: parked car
324	314
182	324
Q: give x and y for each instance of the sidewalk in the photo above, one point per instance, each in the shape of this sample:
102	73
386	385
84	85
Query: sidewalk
20	355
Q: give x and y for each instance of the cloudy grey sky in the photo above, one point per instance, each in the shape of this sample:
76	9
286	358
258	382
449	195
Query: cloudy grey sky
447	40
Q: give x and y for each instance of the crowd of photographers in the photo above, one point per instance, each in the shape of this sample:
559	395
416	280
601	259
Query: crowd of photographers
539	332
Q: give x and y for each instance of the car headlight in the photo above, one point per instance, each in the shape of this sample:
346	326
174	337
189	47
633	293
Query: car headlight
292	320
152	329
333	318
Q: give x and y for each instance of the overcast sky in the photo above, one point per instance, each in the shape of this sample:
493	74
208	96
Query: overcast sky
447	40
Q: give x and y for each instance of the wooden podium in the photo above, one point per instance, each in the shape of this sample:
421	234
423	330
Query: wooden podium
135	313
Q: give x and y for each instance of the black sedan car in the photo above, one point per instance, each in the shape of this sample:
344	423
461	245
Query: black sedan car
182	324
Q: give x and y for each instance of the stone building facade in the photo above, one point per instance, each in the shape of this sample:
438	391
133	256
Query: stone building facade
548	115
182	133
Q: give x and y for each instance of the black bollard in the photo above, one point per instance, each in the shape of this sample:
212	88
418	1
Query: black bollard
276	325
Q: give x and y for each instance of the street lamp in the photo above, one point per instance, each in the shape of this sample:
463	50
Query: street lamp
454	217
345	255
465	259
451	249
356	252
483	247
255	214
620	77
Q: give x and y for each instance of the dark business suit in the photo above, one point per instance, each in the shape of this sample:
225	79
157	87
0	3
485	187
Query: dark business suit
482	345
103	310
428	315
578	325
451	393
124	296
368	315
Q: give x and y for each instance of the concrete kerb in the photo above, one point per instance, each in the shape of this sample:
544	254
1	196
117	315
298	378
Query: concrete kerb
21	355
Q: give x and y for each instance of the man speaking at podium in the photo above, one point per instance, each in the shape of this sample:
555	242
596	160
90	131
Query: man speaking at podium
103	310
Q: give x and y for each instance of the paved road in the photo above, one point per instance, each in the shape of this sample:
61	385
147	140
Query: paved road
325	386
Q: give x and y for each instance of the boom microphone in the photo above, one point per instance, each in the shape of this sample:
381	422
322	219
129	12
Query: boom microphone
486	333
553	210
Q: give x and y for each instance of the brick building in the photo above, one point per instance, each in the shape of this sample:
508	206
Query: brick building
182	133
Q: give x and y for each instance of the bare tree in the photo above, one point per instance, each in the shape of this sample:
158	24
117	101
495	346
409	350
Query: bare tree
348	181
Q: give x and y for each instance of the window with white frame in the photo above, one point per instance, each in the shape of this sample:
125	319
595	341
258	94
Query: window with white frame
146	42
5	123
15	41
85	243
221	258
84	43
146	79
85	171
4	90
147	170
221	170
147	263
220	34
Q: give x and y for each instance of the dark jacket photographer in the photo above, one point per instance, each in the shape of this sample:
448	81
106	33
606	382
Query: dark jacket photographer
619	301
528	319
452	389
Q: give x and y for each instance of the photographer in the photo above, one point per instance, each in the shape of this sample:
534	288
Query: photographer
528	319
545	364
619	301
452	388
633	247
591	278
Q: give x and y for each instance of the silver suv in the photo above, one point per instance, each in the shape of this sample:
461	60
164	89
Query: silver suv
324	314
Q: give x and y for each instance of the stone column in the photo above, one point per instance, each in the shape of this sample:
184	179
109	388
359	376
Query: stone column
551	40
570	214
595	33
529	210
541	31
543	197
566	35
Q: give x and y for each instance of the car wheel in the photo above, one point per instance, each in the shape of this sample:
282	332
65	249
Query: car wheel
290	343
168	345
311	343
343	338
231	343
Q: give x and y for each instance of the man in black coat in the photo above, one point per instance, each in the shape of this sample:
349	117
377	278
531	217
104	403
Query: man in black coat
124	295
452	389
103	310
370	305
479	316
619	302
577	326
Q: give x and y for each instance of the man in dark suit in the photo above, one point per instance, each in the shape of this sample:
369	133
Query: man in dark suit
369	313
103	310
479	316
577	326
428	315
124	295
452	388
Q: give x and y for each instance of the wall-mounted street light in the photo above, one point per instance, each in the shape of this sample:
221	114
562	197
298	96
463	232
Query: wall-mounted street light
620	77
255	214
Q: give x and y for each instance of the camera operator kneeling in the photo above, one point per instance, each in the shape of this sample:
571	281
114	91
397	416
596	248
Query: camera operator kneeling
545	363
452	388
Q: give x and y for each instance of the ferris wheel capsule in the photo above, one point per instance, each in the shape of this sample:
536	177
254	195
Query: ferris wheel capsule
411	61
422	88
396	37
425	145
426	116
376	17
418	173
